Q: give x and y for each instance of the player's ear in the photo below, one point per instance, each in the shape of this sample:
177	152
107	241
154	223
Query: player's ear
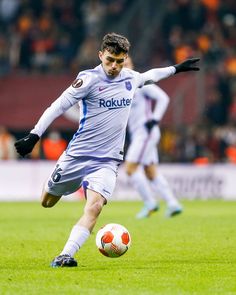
100	54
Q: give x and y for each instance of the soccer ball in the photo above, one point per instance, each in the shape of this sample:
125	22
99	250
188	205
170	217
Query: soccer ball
113	240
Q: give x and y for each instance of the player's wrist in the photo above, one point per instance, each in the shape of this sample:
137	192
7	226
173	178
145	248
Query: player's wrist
34	137
150	124
155	121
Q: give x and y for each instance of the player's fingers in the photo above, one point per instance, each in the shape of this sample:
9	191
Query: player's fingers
194	59
195	69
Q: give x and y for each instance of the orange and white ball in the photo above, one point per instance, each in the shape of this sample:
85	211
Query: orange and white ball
113	240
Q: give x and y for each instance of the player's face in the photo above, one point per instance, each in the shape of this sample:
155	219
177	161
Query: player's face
112	63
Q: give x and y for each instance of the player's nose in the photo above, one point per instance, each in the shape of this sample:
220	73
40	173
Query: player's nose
114	65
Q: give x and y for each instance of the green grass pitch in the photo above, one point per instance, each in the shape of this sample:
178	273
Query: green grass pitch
194	253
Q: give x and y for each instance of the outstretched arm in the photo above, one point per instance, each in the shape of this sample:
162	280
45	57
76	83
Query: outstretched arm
68	98
25	145
57	108
155	75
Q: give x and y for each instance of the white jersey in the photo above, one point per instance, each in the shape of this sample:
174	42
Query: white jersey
143	145
104	110
142	107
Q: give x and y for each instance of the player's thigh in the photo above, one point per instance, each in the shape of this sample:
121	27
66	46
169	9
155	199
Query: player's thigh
137	147
101	181
143	147
66	177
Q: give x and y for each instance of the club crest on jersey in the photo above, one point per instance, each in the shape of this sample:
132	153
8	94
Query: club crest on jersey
77	83
128	85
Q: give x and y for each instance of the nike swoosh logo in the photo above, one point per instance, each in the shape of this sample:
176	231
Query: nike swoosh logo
101	88
25	139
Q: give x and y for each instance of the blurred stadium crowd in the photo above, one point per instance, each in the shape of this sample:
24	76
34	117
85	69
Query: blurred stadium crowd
63	36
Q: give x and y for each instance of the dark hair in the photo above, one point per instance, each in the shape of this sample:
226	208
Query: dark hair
115	43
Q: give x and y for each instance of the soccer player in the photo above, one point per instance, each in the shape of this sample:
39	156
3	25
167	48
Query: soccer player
92	157
142	151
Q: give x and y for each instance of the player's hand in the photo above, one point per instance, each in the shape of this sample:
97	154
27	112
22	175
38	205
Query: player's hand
25	145
187	65
150	124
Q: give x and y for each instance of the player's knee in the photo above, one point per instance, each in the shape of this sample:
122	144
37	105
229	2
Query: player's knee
150	172
131	168
129	172
149	176
95	209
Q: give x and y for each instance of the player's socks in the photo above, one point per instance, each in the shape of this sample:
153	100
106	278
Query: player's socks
141	184
78	236
161	186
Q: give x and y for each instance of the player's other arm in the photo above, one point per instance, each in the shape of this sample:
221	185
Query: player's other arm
155	75
67	99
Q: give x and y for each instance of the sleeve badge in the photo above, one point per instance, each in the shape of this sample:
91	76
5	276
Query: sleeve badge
77	83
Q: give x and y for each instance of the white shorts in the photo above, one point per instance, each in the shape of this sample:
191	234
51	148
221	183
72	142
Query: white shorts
71	173
143	147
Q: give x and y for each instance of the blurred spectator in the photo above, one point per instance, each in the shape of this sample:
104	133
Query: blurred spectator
8	10
66	52
201	161
212	5
4	57
168	144
87	56
182	52
171	18
114	9
51	32
53	145
7	150
188	145
214	112
93	14
231	154
215	145
231	64
232	110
